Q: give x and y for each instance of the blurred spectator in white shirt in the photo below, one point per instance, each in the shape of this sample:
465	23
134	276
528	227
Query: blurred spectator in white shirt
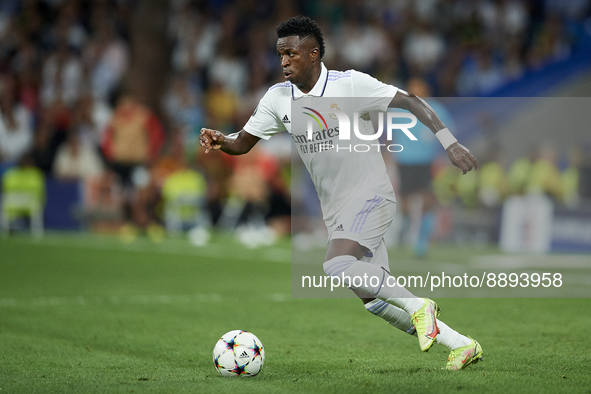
62	77
196	37
107	59
76	161
229	70
363	44
423	48
16	125
514	17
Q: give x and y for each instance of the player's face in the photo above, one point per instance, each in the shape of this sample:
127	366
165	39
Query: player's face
296	57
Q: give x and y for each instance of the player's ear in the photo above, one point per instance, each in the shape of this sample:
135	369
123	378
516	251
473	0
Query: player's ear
314	54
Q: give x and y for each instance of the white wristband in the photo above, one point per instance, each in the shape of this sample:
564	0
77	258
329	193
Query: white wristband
445	137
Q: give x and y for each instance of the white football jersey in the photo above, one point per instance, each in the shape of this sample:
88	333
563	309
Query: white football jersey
342	170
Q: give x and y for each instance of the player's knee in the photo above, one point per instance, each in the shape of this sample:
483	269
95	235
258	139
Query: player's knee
338	265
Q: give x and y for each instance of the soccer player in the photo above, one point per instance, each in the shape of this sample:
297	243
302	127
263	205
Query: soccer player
355	193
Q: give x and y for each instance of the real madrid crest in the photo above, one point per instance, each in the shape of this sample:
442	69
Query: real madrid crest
334	106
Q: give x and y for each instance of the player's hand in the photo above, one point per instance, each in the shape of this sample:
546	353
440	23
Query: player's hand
211	139
461	157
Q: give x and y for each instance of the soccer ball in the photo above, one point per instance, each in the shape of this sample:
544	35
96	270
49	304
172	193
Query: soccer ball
238	353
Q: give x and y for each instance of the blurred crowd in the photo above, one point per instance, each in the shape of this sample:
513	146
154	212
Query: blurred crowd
66	107
563	178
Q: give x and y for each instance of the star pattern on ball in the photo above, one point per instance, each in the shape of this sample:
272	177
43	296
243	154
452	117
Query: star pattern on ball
235	352
238	369
257	350
216	361
231	344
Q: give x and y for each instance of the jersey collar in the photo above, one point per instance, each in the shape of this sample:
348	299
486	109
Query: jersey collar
317	90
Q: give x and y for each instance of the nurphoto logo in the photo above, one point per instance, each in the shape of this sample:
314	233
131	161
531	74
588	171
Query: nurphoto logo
344	129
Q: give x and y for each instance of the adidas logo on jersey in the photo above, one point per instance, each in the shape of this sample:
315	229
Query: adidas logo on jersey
340	228
285	119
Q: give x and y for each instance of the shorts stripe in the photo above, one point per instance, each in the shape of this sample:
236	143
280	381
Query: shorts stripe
359	225
367	214
360	213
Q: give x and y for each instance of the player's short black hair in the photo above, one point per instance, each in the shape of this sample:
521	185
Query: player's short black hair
301	26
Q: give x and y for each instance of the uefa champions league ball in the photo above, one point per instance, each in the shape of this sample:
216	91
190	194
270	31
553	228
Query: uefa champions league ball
238	353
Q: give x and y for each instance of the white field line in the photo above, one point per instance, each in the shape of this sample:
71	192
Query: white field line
266	254
126	300
532	261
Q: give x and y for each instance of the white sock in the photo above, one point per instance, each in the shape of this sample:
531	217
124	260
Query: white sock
391	314
401	320
449	337
344	267
409	304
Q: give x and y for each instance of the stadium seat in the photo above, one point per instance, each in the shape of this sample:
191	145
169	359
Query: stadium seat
23	195
183	193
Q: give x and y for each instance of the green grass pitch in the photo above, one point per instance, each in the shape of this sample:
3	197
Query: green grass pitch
84	314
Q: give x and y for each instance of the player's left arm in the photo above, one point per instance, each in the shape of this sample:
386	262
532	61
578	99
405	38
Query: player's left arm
458	154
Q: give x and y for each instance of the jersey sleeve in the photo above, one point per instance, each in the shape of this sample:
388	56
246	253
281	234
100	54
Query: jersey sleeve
376	95
264	122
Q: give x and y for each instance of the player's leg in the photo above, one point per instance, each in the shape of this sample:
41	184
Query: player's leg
343	260
378	283
398	317
385	308
394	316
343	253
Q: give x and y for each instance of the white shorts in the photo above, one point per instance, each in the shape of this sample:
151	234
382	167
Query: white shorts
364	221
379	257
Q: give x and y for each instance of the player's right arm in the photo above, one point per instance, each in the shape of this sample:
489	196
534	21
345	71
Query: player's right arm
233	144
263	123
